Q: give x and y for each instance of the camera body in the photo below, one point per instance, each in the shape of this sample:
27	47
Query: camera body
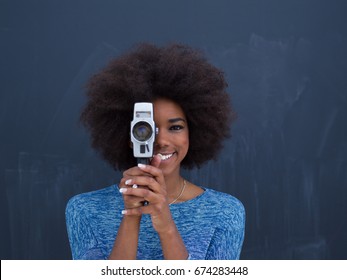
143	131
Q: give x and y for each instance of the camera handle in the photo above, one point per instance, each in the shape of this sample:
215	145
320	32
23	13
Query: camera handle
147	162
143	161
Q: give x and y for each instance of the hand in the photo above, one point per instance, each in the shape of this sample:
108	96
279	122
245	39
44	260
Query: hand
131	201
154	191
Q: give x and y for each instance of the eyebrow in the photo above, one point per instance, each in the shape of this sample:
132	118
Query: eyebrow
176	120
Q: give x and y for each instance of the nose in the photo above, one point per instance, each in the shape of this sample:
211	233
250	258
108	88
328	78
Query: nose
162	139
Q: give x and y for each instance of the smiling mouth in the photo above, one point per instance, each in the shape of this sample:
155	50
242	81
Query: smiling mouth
165	157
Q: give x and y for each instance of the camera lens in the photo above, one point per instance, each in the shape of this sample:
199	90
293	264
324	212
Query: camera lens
142	131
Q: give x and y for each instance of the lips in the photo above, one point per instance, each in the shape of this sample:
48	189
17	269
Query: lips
165	157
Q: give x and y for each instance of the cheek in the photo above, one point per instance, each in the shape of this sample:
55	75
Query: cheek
185	143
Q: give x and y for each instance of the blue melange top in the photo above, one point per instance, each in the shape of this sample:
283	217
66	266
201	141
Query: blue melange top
211	225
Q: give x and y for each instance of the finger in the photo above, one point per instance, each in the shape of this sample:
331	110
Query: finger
151	183
138	211
144	194
134	171
129	171
132	212
126	182
133	201
156	161
154	172
130	183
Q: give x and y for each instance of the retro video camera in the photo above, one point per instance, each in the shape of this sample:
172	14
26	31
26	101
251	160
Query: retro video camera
143	131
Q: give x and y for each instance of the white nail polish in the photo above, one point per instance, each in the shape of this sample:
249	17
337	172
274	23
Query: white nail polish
128	182
123	190
140	165
135	186
124	212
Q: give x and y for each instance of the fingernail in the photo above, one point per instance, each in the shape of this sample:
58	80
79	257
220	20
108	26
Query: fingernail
140	165
123	190
124	212
128	182
135	186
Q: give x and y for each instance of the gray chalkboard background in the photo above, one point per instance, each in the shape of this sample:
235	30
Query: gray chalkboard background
286	64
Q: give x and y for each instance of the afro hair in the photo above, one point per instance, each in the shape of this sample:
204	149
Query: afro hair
145	73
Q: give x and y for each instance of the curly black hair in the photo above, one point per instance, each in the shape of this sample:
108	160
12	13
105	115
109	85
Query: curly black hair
147	72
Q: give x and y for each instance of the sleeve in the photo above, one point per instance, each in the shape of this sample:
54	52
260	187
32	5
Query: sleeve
226	243
82	240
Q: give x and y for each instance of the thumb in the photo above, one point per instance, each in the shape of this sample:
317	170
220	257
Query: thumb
156	161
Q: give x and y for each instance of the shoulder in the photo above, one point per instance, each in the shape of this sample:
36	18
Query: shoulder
226	207
223	200
91	200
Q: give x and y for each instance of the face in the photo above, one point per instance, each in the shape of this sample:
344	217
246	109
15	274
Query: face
172	141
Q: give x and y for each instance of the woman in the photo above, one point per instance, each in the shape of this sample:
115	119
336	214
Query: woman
155	213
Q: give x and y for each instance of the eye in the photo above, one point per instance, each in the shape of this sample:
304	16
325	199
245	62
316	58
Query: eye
176	127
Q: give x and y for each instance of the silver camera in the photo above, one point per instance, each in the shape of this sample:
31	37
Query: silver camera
143	131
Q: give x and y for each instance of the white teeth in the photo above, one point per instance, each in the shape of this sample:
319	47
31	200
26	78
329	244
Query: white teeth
165	157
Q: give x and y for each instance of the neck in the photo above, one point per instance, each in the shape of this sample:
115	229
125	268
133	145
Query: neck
173	186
